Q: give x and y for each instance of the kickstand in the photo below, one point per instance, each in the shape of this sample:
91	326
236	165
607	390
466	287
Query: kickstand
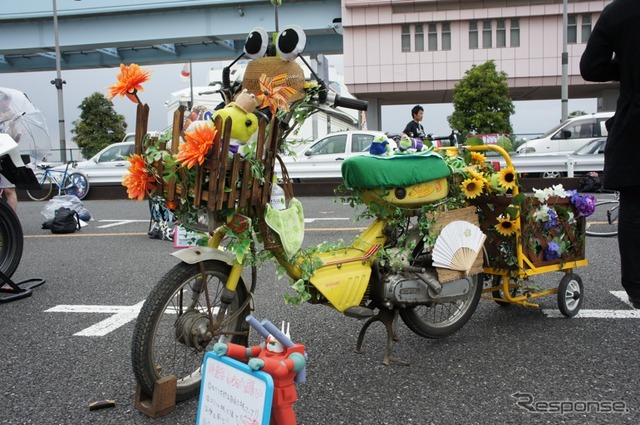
11	291
387	317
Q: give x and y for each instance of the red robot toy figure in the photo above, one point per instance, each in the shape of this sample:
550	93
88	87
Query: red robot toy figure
279	357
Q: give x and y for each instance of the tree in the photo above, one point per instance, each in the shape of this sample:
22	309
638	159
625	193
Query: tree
99	125
481	102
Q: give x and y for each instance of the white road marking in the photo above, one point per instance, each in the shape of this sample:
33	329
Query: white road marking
122	316
601	314
118	223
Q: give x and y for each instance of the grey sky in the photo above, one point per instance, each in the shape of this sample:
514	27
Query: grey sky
531	117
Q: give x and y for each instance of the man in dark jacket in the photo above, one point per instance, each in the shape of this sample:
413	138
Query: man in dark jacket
613	54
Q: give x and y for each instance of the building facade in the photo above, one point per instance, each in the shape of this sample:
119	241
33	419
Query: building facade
415	51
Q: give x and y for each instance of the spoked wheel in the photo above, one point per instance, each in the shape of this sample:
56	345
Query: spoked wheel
77	185
171	334
570	294
439	320
604	221
11	240
46	187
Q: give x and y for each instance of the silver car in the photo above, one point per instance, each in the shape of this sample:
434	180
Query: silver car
322	159
107	166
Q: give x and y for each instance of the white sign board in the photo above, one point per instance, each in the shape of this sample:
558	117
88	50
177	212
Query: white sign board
233	394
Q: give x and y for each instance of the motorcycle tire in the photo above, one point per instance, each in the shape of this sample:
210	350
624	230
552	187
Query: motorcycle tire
439	320
163	342
11	240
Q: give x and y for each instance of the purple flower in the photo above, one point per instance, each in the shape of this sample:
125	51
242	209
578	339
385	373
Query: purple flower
585	205
553	219
552	252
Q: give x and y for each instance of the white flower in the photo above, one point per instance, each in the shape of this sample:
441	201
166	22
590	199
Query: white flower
558	190
540	195
542	214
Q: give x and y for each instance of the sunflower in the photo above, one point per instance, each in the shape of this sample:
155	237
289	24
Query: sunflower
472	187
274	92
130	81
507	178
505	226
474	173
197	144
478	158
138	182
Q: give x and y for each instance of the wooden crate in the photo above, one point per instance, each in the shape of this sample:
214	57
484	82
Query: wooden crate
500	247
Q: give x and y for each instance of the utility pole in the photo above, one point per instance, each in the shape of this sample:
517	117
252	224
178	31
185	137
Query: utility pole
565	64
58	82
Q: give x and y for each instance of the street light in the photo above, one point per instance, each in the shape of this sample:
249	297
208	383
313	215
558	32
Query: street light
58	82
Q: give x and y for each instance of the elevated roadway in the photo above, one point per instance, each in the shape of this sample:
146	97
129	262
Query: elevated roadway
94	35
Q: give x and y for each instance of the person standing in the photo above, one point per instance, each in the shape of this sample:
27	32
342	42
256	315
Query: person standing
612	54
414	129
7	124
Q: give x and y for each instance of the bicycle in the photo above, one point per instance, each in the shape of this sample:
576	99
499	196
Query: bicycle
604	221
68	183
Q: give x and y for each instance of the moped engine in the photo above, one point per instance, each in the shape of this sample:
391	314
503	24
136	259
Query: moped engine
415	286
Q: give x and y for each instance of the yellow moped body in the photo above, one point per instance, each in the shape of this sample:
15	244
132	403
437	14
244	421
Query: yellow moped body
344	276
412	196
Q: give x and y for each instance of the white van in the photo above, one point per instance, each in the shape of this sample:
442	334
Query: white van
568	136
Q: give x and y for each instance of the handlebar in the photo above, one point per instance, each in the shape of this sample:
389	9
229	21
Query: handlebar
335	100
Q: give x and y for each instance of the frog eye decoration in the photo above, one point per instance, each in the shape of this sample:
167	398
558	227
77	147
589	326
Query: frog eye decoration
255	46
291	42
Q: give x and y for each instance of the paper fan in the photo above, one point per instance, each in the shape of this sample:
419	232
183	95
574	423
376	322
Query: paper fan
458	246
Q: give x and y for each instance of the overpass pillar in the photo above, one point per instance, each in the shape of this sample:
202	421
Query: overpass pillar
607	100
374	113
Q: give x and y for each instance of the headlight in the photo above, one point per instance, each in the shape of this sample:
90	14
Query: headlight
525	150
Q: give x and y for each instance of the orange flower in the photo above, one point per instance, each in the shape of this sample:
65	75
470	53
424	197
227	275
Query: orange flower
130	81
274	92
197	144
138	182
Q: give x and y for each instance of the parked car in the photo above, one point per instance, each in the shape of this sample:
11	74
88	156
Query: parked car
107	166
588	158
323	158
568	136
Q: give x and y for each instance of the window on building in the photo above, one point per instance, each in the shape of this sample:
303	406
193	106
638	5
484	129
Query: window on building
572	29
406	38
501	33
419	38
586	27
487	42
446	36
515	32
433	37
473	34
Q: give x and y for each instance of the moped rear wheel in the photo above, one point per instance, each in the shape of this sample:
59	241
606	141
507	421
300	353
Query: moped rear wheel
439	320
11	240
170	338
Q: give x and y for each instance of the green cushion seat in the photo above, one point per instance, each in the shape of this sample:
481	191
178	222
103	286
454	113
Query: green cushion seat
370	172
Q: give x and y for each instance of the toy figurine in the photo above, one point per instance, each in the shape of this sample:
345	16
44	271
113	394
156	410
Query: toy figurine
410	143
279	357
244	121
380	145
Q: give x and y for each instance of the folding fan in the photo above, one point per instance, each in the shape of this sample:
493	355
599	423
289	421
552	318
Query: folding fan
458	246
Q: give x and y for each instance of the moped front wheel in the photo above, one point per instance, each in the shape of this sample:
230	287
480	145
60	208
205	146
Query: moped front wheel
11	240
171	334
438	320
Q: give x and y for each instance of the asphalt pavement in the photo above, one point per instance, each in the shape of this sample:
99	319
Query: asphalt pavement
69	344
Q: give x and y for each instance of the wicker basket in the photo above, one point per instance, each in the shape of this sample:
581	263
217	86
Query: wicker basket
500	248
226	182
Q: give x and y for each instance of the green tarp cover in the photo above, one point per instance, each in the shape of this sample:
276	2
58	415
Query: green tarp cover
369	172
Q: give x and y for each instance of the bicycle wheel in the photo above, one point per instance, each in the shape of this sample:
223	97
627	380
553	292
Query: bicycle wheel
171	335
46	187
11	240
77	185
604	221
